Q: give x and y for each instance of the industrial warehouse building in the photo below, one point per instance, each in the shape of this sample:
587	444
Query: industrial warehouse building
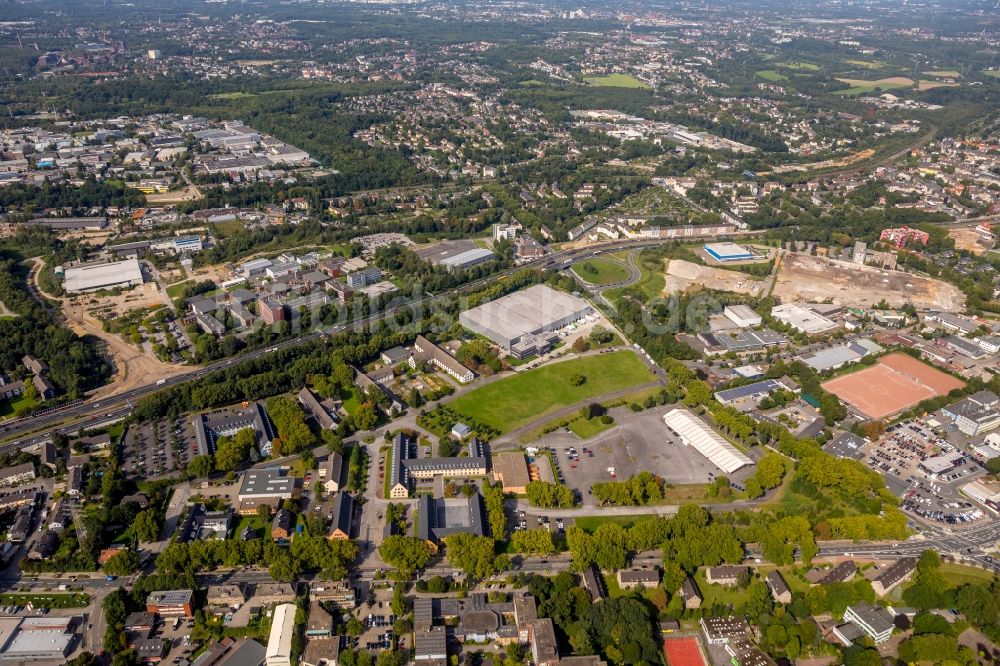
32	639
695	432
728	252
524	314
467	259
93	277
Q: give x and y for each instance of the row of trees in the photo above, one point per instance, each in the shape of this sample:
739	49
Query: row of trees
311	553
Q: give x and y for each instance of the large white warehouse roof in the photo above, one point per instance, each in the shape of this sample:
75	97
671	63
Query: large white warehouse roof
103	276
695	432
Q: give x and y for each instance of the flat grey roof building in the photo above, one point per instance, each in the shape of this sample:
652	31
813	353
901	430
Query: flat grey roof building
534	310
267	483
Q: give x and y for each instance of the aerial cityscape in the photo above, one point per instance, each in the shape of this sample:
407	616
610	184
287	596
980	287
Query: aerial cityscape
490	332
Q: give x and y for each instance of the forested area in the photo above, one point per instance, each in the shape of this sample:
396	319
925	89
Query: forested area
76	364
26	201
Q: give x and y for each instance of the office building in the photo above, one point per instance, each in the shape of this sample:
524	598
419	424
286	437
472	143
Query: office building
171	603
876	622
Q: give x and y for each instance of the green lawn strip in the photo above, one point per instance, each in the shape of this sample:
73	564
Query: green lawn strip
44	600
514	401
601	271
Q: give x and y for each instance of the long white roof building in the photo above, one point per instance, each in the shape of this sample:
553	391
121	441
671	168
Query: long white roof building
695	432
279	643
92	277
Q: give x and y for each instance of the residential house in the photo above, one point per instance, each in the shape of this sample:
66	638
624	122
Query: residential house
778	587
646	578
343	517
282	525
889	578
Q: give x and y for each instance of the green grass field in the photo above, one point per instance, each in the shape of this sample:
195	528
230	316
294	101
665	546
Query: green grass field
944	73
960	574
233	95
515	401
260	526
601	271
9	408
770	75
798	64
587	428
867	64
175	290
995	73
615	81
652	280
720	594
79	600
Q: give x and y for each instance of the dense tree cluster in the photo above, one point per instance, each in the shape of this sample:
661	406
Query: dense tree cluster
550	495
643	488
331	557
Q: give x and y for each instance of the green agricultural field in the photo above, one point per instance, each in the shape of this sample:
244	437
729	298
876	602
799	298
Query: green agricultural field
867	64
615	81
520	399
864	86
770	75
995	73
798	64
601	271
944	73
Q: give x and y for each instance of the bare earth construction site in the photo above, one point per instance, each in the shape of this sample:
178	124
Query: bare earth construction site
815	279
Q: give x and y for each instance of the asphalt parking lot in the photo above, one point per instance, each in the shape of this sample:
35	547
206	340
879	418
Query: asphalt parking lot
155	449
897	456
637	442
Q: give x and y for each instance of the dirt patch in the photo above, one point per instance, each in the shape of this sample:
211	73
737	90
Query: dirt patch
969	240
189	193
133	367
817	279
930	85
892	81
827	164
685	275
